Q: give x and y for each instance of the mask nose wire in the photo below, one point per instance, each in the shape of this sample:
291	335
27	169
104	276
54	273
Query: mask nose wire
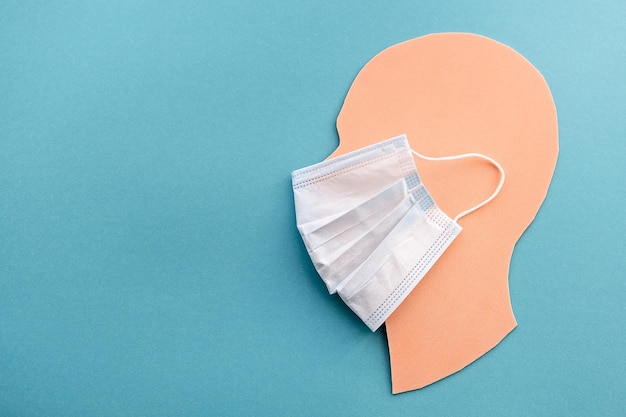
470	155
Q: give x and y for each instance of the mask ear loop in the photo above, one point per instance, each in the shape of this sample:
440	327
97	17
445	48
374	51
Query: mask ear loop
470	155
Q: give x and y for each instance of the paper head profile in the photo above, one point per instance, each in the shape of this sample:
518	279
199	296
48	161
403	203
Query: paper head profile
454	93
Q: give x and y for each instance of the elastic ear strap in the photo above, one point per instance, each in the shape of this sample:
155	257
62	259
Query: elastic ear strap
470	155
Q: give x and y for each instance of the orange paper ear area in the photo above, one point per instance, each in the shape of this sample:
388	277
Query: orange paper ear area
457	93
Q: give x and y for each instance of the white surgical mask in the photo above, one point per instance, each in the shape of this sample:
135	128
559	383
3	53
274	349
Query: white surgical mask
371	227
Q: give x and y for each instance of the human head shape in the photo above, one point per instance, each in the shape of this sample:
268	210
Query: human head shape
455	93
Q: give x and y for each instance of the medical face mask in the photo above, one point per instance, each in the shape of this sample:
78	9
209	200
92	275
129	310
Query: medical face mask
370	226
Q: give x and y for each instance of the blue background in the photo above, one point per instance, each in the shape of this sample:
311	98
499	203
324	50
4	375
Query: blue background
149	260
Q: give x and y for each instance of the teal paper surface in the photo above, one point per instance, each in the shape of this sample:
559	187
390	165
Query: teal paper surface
149	259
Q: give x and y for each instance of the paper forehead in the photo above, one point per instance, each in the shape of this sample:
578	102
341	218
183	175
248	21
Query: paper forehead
454	93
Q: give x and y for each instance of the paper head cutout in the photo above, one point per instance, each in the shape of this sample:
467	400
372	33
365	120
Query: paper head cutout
455	93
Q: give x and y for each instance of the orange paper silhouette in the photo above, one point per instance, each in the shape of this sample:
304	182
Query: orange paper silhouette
455	93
